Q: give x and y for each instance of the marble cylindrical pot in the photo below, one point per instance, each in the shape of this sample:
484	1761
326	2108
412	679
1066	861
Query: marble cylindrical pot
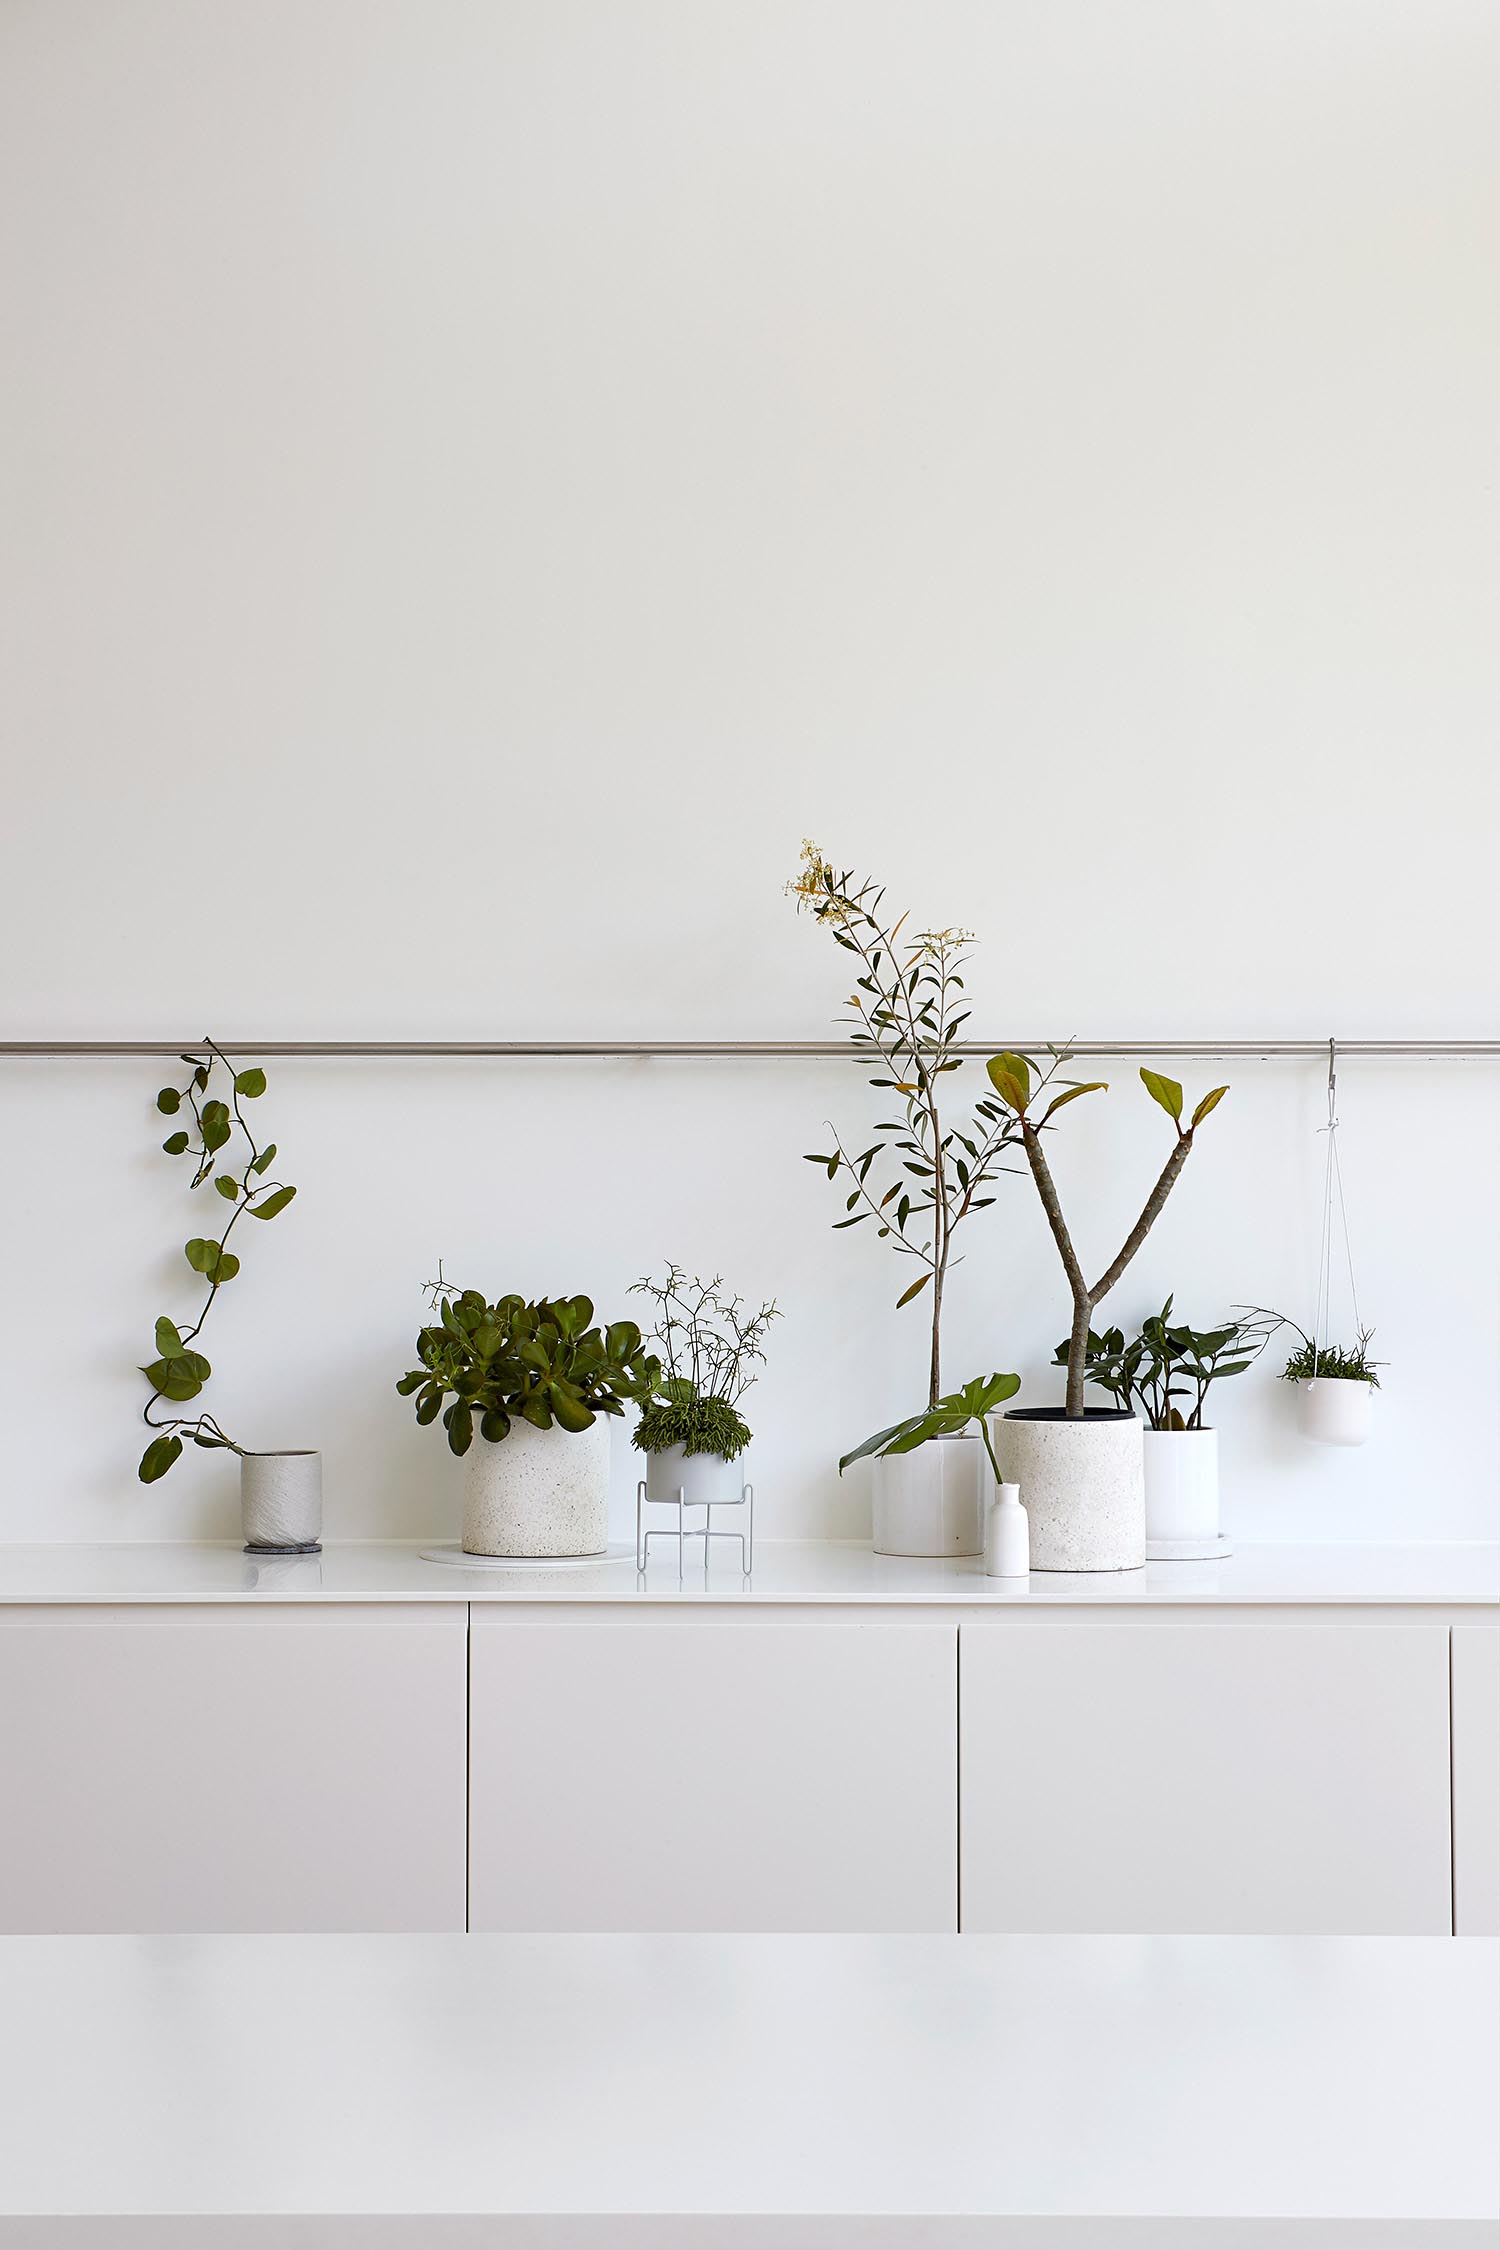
699	1477
281	1502
929	1501
1182	1484
1335	1409
1082	1486
538	1492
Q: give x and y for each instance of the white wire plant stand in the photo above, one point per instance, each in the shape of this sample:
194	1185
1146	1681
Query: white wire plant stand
683	1532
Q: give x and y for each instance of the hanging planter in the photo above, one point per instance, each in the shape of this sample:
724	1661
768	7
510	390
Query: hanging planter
1335	1383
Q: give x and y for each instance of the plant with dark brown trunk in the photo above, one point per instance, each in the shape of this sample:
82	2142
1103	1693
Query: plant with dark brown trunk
1012	1078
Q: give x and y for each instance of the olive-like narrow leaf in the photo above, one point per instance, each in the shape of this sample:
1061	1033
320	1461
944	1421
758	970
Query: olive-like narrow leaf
1095	1086
907	1295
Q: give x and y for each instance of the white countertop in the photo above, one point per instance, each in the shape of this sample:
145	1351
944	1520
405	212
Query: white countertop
786	1571
1162	2077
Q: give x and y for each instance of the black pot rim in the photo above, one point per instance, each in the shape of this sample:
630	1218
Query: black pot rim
1061	1414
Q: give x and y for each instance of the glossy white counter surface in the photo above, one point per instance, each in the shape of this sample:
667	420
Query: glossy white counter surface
1194	2077
785	1571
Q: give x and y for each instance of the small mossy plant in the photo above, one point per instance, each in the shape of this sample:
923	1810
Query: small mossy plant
178	1372
710	1346
1310	1360
542	1362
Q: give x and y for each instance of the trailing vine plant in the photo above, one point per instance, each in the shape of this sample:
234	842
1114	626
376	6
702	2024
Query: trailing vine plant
178	1373
906	1011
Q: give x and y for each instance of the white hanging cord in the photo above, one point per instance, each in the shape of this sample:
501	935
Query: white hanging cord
1333	1186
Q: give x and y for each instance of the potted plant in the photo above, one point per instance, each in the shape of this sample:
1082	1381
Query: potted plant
1336	1384
1081	1469
933	1514
691	1430
923	1175
1167	1371
533	1383
281	1494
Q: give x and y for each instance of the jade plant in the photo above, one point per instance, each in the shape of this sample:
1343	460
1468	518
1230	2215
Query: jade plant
1167	1369
179	1372
1020	1087
710	1345
512	1361
924	1175
949	1418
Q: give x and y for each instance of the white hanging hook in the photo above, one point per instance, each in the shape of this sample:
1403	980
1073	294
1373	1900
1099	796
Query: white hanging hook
1333	1085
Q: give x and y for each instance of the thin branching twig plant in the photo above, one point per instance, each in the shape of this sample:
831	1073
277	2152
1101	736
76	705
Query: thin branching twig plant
905	1013
710	1349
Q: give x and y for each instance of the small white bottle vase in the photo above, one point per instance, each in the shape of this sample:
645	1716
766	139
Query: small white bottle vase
1007	1535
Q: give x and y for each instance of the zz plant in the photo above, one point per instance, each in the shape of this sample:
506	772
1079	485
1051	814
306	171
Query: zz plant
178	1373
923	1175
1168	1368
513	1361
710	1345
1014	1078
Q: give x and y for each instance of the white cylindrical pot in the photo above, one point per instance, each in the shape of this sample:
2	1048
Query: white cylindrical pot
699	1477
1182	1484
281	1501
1335	1409
538	1492
928	1502
1082	1486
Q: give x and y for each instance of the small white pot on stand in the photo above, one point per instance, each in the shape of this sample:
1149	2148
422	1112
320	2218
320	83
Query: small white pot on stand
1082	1485
1335	1409
281	1503
538	1492
928	1501
681	1480
1182	1496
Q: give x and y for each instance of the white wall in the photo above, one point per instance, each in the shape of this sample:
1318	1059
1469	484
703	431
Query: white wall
481	481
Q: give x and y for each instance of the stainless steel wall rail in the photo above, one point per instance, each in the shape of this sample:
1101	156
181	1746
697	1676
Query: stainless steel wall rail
719	1050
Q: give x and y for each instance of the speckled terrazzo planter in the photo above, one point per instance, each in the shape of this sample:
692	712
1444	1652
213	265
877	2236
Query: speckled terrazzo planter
538	1492
1082	1485
281	1502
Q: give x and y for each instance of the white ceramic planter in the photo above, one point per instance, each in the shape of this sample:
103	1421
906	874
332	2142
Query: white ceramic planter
1182	1484
929	1502
281	1501
699	1477
538	1492
1335	1410
1082	1486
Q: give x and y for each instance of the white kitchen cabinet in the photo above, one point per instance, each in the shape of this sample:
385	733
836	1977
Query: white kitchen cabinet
1223	1777
1476	1780
720	1773
229	1769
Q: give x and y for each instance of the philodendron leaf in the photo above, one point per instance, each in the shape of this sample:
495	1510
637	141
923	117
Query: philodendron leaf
168	1341
158	1458
1166	1091
250	1083
175	1144
227	1267
879	1441
227	1187
201	1254
265	1159
179	1378
168	1101
276	1201
1209	1102
215	1132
